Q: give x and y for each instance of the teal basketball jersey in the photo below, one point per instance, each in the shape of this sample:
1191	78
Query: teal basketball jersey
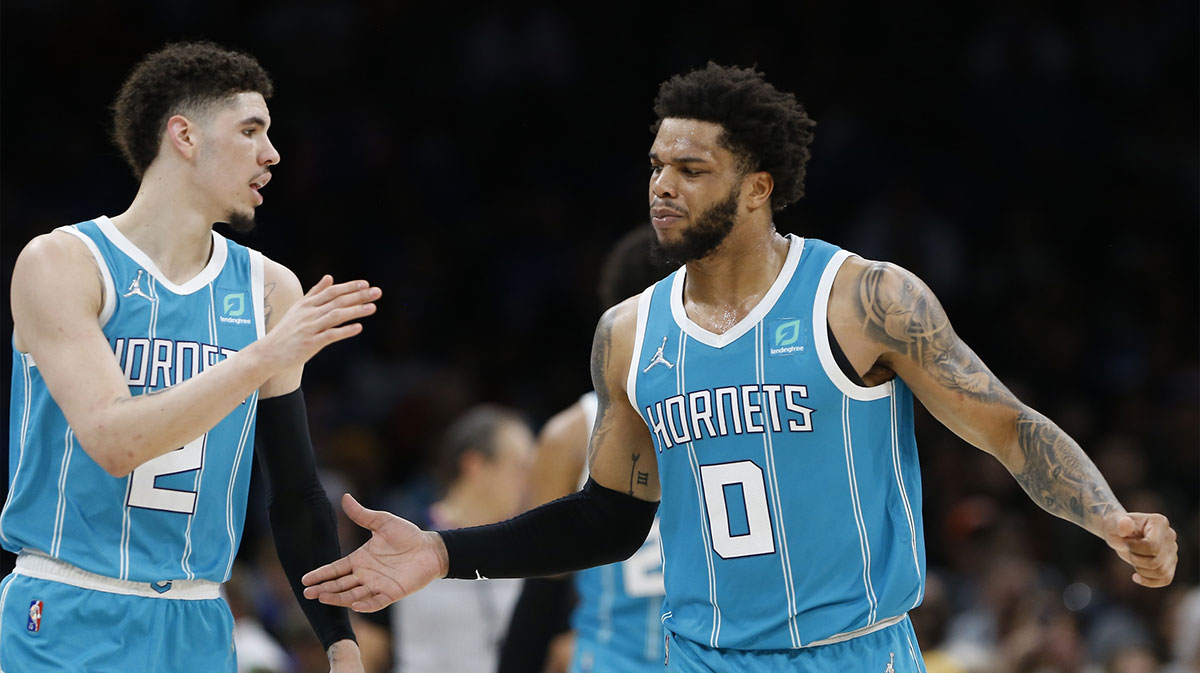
618	620
178	516
791	497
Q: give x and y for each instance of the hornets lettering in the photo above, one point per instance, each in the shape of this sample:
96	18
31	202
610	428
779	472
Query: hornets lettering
158	363
736	410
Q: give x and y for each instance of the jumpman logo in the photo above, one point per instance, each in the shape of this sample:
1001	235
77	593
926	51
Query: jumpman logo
135	288
891	660
658	358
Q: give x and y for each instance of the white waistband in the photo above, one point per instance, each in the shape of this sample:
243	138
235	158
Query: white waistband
849	635
54	570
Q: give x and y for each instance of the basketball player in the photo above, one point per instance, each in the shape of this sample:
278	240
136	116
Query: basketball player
617	622
773	379
148	352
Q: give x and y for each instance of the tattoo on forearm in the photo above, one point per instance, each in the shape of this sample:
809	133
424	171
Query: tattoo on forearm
899	311
1058	475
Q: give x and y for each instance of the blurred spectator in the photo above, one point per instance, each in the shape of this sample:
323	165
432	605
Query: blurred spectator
455	626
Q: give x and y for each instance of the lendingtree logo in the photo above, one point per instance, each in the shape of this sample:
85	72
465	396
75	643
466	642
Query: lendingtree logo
787	337
233	306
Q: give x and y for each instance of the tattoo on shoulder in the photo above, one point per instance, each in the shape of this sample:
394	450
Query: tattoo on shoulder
601	353
1058	475
267	290
898	310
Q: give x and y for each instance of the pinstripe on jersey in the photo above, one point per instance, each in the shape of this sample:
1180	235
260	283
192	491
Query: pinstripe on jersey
178	516
790	495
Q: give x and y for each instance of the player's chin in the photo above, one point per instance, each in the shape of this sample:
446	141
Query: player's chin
241	221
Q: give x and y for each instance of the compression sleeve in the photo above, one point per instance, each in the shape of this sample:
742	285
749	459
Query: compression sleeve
592	527
302	520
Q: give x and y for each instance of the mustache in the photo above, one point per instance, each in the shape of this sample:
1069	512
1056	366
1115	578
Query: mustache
671	205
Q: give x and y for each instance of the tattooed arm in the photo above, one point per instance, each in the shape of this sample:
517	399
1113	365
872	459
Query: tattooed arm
620	453
890	323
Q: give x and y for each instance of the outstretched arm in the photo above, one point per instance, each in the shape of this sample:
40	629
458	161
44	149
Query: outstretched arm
57	296
894	322
605	522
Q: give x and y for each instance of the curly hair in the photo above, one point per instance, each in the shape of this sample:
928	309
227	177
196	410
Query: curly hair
767	129
180	76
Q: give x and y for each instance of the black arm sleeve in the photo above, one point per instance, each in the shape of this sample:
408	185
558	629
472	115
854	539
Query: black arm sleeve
593	527
302	521
542	612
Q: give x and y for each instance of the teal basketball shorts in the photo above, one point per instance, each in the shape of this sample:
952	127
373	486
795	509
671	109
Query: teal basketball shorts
892	649
55	617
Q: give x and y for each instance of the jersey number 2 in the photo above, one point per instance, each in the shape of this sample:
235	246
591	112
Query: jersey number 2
751	517
145	493
642	573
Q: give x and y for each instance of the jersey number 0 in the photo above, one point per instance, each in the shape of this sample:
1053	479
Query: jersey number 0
751	517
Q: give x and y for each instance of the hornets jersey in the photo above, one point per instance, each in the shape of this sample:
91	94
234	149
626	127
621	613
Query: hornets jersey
790	511
618	618
180	515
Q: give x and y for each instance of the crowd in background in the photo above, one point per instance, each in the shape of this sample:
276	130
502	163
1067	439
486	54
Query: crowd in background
1035	164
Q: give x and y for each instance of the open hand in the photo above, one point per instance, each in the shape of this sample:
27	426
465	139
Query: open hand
321	317
398	560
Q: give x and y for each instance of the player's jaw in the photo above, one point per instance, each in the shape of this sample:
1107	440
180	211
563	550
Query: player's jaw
681	239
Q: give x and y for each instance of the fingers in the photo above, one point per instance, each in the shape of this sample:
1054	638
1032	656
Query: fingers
375	603
1126	526
342	294
337	571
345	598
1150	545
371	519
322	285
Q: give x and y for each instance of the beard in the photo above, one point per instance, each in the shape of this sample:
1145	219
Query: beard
708	231
240	222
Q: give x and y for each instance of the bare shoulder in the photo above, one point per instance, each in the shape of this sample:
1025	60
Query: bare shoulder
612	346
888	305
281	289
621	320
54	273
55	247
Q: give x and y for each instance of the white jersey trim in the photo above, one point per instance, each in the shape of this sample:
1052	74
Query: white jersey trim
53	570
27	387
760	310
110	290
820	331
850	635
256	291
216	262
643	316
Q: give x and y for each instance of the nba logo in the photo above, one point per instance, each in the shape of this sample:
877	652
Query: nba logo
35	617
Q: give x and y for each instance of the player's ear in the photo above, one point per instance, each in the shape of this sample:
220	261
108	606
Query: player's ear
181	136
756	189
